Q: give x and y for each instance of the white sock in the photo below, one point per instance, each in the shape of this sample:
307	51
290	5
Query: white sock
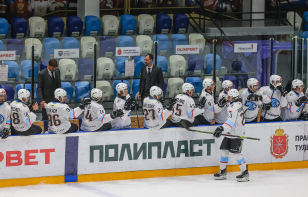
240	161
224	159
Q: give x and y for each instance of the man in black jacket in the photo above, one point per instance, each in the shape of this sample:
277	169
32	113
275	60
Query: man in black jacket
151	75
48	81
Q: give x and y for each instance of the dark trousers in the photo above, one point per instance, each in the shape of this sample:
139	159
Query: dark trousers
189	124
105	127
202	120
268	120
72	129
34	129
167	124
44	114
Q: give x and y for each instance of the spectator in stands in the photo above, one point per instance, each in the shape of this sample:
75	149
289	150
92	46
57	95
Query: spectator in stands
48	81
151	75
5	9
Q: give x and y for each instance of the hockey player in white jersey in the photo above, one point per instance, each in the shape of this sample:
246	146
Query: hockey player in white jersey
253	99
155	116
278	94
208	115
296	101
5	113
22	118
222	115
235	125
124	102
94	115
185	109
58	114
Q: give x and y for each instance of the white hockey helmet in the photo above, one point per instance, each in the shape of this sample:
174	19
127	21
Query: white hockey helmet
60	94
23	95
121	87
96	94
274	79
187	87
207	83
233	93
227	84
252	82
3	95
296	83
155	91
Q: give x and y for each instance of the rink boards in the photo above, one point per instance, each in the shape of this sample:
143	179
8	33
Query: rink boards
140	153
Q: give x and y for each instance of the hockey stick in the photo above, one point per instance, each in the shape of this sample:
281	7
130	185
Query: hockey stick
243	137
137	115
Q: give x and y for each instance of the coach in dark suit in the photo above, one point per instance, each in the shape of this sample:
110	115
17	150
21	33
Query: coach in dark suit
151	75
48	81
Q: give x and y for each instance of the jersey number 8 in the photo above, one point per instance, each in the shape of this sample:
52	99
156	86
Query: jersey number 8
16	119
54	120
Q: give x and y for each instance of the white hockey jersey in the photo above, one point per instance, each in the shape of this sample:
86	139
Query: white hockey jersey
252	107
123	122
21	116
222	115
208	114
154	114
291	111
235	124
185	108
40	8
5	116
58	115
277	101
93	116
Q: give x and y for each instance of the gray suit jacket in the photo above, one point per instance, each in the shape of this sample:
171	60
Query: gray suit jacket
44	88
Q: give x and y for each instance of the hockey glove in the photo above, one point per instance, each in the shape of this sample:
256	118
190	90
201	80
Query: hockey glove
162	100
116	113
128	103
5	133
266	106
282	90
301	100
202	102
134	105
171	104
85	102
222	102
218	131
254	97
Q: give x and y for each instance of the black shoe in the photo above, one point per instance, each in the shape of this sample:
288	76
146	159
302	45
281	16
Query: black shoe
243	177
222	175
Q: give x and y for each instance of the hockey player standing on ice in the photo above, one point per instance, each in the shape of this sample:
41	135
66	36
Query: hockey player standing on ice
185	109
58	114
207	117
5	113
123	97
278	99
22	118
222	116
296	101
235	125
155	117
94	116
253	99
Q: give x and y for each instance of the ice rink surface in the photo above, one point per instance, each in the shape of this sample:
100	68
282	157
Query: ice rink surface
282	183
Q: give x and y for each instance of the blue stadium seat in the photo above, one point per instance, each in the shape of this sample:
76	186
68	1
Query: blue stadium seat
50	44
163	23
163	44
128	24
108	46
4	28
70	43
115	83
209	65
55	26
15	45
21	86
85	67
125	41
19	27
196	82
44	64
210	56
26	70
74	26
178	39
2	47
10	92
195	64
82	90
67	86
120	65
180	23
13	69
139	63
163	63
136	83
93	25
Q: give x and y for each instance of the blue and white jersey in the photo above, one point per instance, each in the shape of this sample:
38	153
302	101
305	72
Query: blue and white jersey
123	122
5	119
235	124
208	113
221	114
277	102
21	116
291	111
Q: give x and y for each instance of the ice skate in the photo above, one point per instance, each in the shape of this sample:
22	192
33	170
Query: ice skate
222	175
